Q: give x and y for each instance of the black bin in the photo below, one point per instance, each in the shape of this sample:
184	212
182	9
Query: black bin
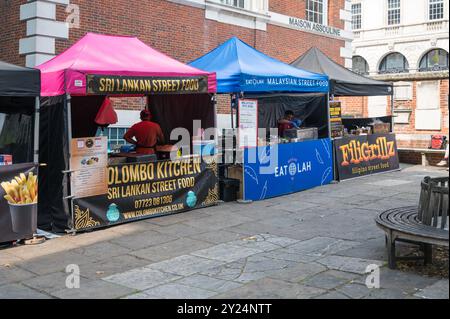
229	188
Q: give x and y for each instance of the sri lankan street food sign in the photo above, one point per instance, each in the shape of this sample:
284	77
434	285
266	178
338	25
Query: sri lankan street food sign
106	84
365	155
142	190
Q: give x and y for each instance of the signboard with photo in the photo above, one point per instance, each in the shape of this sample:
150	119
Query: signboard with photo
337	128
89	161
18	201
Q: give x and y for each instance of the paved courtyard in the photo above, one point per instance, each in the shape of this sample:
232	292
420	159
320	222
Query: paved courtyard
313	244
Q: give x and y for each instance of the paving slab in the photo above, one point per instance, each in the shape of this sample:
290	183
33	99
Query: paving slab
51	282
332	295
348	264
209	283
354	291
18	291
94	289
143	240
103	250
438	290
321	246
141	278
185	265
218	236
267	288
328	280
111	266
10	273
226	252
178	291
250	269
299	272
171	249
53	262
264	242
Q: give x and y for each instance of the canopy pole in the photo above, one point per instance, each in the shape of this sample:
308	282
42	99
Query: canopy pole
231	111
328	114
69	142
392	111
37	107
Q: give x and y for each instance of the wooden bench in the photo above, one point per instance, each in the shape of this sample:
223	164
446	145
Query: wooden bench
425	225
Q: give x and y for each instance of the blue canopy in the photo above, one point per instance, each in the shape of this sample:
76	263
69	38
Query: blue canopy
242	68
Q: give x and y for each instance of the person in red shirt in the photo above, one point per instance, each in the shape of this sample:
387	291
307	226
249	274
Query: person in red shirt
145	135
285	123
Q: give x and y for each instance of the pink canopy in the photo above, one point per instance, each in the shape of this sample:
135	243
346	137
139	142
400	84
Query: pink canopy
119	57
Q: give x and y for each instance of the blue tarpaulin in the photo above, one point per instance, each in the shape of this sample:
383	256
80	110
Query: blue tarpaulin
242	68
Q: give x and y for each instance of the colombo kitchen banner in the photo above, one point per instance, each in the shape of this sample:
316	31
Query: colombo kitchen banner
365	154
142	190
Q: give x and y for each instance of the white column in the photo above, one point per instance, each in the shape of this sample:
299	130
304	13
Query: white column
42	30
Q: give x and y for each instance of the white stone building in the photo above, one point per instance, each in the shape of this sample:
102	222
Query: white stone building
407	42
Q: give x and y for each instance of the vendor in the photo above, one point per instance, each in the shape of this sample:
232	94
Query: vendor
145	135
288	122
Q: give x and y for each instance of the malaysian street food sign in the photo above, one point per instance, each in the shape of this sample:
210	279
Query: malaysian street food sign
365	154
107	84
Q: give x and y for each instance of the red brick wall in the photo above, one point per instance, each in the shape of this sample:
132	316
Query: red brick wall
183	32
411	157
356	106
410	128
291	8
11	30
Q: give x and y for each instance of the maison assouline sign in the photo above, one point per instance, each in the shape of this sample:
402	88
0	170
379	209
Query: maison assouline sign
106	84
312	26
365	154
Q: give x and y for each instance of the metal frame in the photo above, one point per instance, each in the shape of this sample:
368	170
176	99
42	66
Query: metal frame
37	107
68	104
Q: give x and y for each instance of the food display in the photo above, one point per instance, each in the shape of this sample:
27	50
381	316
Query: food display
22	189
89	161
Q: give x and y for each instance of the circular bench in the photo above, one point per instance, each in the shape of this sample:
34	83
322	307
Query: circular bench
425	225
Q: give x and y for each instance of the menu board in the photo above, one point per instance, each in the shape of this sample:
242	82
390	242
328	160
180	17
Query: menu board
248	123
336	119
88	162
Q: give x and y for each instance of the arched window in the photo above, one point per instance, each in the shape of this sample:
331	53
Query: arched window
359	65
394	63
434	60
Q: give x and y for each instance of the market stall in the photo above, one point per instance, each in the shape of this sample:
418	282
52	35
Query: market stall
362	146
19	107
262	89
86	185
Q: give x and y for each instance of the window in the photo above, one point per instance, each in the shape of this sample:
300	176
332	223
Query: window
359	65
394	63
115	136
393	12
403	91
436	9
234	3
316	11
435	60
428	114
356	16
